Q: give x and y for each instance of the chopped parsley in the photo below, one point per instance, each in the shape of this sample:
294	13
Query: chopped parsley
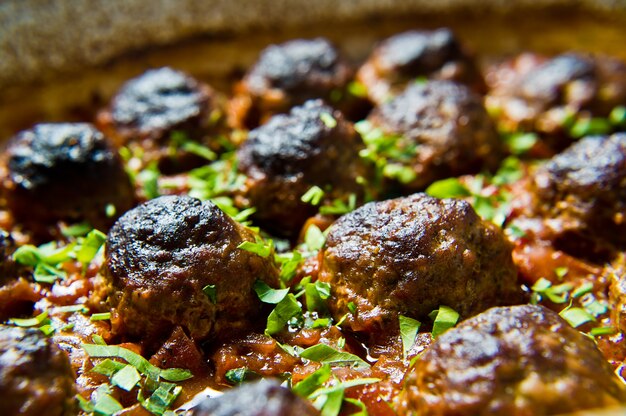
326	354
260	247
211	293
443	318
409	328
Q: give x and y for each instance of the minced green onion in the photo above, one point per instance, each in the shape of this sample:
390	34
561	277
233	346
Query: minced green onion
313	196
602	330
582	290
103	316
29	322
328	120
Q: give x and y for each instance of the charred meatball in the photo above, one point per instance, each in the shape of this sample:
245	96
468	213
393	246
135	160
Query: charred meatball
532	93
436	129
35	375
175	261
283	159
410	255
405	57
287	75
157	107
65	172
518	360
262	398
582	194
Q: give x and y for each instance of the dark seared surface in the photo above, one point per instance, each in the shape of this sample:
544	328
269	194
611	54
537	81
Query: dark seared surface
160	256
518	360
149	108
159	101
448	126
409	256
262	398
582	191
534	93
64	171
35	375
293	152
403	58
286	75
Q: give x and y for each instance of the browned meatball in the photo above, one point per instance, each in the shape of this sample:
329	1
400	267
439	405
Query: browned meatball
35	375
403	58
64	172
287	75
582	194
162	254
262	398
409	256
532	93
441	129
149	108
283	159
520	360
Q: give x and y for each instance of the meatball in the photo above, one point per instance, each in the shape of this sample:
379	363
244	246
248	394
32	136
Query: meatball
35	375
175	261
582	194
410	255
149	108
441	129
284	158
401	59
518	360
287	75
67	172
262	398
536	94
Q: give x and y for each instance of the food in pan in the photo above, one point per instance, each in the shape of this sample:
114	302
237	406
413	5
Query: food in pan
417	234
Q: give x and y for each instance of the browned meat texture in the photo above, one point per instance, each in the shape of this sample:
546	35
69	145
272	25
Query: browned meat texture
403	58
64	172
533	93
582	192
409	256
287	75
35	375
443	130
148	108
284	158
162	254
518	360
262	398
